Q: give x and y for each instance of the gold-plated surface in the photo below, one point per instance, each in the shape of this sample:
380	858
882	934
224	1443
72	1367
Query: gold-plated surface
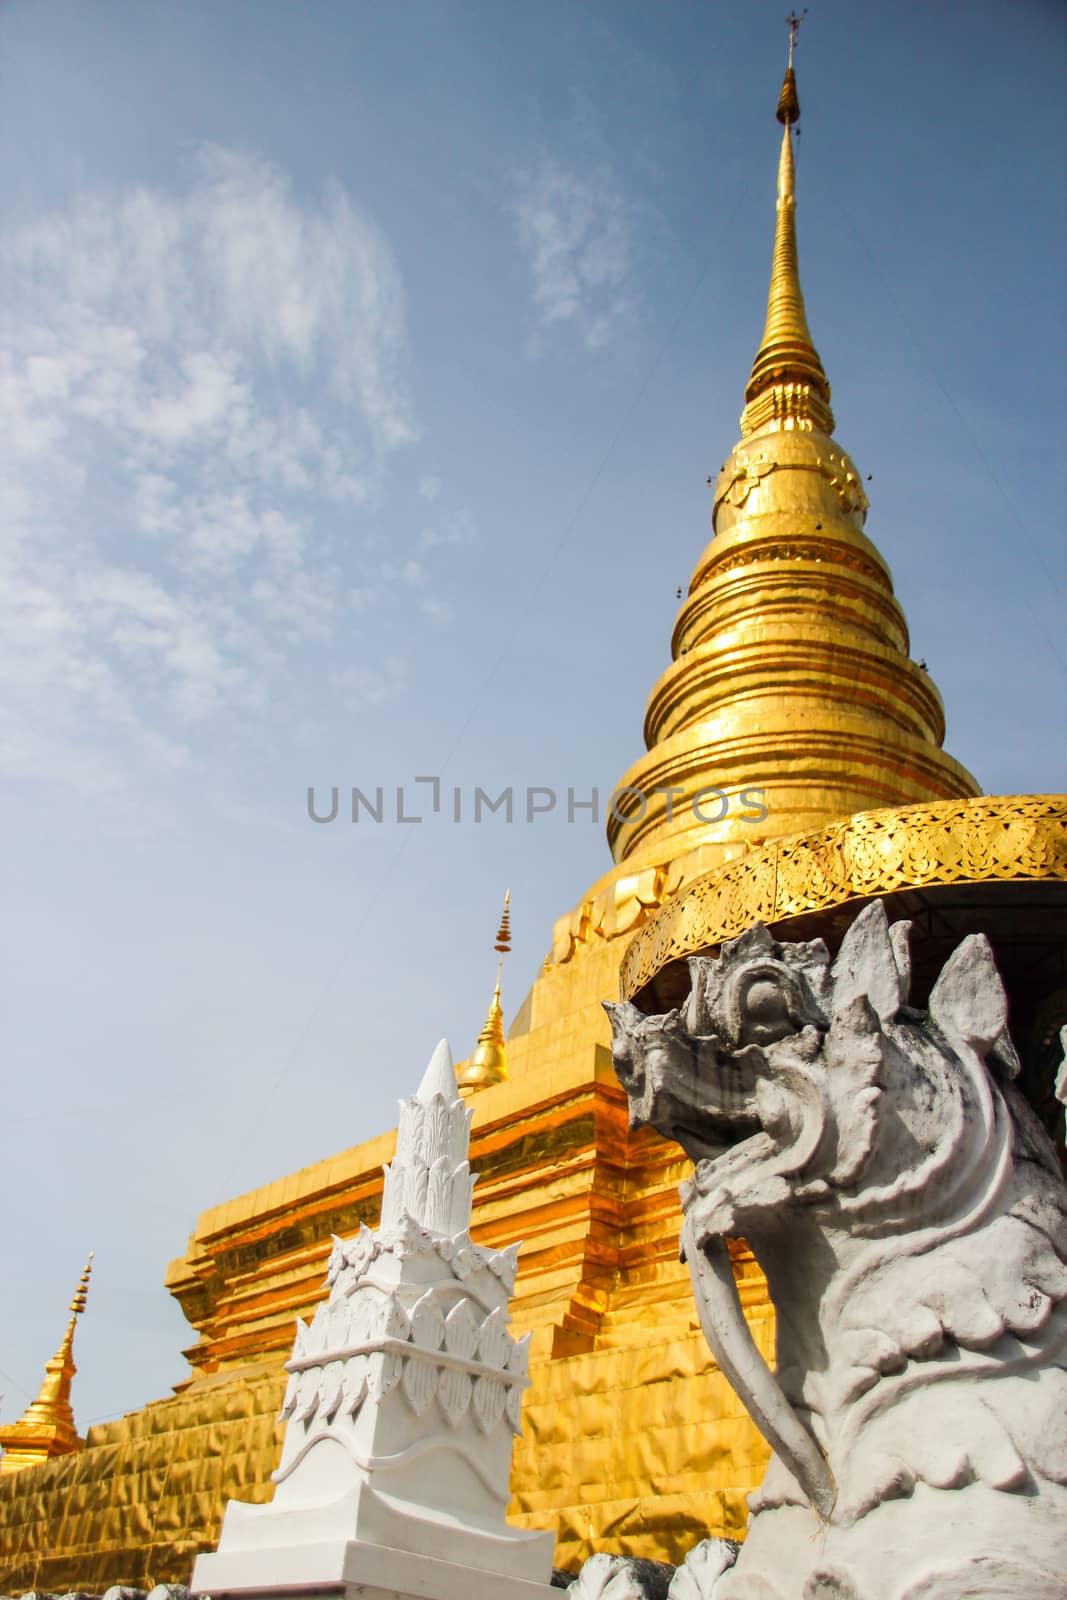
145	1495
489	1063
1007	838
788	104
46	1428
788	387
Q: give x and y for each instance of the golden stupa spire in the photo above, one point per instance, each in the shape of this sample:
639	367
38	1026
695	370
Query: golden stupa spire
792	698
787	387
46	1428
489	1063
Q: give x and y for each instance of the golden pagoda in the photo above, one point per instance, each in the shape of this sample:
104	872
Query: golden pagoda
489	1063
792	698
46	1428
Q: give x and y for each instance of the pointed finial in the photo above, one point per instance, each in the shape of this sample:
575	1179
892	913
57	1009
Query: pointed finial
428	1180
788	387
46	1428
788	104
439	1077
503	933
81	1293
489	1063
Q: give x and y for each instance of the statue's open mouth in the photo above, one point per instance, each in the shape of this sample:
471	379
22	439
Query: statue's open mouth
700	1092
709	1110
712	1134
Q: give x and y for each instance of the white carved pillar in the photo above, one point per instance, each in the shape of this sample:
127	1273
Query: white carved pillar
404	1395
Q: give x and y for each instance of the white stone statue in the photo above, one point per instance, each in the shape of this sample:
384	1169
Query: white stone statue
404	1395
911	1218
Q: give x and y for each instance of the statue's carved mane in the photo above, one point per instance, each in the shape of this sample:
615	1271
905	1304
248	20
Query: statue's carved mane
902	1198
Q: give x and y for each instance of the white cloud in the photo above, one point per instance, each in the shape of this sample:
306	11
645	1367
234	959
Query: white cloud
197	392
574	232
436	608
457	530
372	685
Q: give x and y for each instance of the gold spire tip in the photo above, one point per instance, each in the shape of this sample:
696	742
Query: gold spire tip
503	933
788	105
81	1293
787	387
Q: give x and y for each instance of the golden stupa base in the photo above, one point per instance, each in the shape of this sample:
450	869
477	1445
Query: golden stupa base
632	1440
139	1502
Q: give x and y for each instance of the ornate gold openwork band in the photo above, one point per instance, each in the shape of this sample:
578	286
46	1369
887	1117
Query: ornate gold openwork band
991	838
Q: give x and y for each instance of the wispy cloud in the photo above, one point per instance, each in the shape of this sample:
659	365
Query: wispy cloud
198	392
455	529
372	685
574	232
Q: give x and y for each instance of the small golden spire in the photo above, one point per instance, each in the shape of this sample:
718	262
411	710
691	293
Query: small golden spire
503	933
46	1428
788	387
788	104
81	1293
489	1063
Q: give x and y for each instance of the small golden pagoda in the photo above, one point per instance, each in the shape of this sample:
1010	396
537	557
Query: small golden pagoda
46	1428
791	694
489	1063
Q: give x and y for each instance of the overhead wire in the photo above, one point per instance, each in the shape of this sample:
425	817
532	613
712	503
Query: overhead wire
930	370
531	592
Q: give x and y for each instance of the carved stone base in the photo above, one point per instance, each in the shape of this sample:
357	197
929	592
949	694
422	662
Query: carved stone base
354	1571
963	1544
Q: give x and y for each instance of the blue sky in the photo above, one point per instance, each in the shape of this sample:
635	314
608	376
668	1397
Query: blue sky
361	368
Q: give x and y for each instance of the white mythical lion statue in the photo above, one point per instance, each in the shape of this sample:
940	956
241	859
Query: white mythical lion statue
911	1218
